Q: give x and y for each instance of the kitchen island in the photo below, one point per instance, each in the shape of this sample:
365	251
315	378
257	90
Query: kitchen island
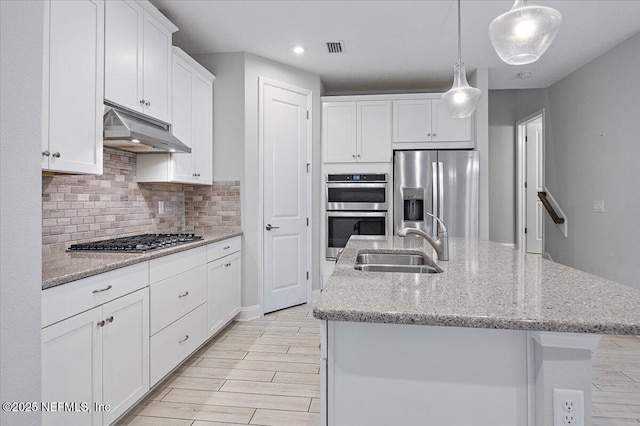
485	342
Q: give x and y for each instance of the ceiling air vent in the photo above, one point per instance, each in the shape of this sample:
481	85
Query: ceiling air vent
335	46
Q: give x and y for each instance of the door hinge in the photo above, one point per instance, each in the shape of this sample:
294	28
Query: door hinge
526	138
525	230
525	184
307	115
308	165
307	275
307	221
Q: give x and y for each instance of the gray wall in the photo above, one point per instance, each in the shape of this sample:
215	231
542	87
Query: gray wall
20	207
594	156
228	113
591	150
236	147
502	166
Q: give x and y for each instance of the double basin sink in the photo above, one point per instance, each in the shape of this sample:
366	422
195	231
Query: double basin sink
415	263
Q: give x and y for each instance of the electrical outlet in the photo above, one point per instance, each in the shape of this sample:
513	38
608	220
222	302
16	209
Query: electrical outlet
568	407
160	207
598	206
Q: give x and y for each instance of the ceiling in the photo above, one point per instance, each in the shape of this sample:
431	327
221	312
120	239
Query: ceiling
396	45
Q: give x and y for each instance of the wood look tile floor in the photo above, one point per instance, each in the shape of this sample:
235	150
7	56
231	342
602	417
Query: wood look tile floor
265	372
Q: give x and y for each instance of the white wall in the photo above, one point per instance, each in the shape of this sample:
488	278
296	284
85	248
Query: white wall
20	208
594	156
480	79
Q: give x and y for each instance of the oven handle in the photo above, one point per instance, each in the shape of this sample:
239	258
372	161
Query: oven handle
357	185
356	214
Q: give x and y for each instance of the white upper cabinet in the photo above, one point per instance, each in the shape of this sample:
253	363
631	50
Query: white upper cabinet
427	120
73	78
138	58
192	111
356	131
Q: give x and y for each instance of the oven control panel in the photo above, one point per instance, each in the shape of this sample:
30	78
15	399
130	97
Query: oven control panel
371	177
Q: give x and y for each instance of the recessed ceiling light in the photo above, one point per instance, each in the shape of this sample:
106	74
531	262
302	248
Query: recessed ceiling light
524	74
172	150
135	141
298	50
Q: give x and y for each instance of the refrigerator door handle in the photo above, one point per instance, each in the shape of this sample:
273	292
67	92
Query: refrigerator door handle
440	190
436	197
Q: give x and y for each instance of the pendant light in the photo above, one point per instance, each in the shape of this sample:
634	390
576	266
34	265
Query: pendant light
521	35
461	100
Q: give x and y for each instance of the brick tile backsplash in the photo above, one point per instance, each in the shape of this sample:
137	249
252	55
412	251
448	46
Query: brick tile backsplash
82	208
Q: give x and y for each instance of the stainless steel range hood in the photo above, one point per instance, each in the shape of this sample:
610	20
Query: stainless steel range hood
130	132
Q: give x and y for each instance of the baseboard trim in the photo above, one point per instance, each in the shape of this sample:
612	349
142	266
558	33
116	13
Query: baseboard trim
547	256
315	296
248	313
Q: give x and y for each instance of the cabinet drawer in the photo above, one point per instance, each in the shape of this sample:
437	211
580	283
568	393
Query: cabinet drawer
176	296
168	266
172	345
70	299
223	248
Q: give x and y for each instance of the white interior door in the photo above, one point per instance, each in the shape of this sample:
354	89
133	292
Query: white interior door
284	133
535	183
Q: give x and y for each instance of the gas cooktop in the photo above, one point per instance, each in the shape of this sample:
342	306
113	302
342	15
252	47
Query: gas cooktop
136	243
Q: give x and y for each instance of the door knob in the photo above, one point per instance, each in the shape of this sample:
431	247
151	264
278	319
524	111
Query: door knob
269	227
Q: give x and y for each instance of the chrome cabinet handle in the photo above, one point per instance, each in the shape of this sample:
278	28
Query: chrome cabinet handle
184	339
148	103
56	154
110	319
358	155
101	323
269	227
226	247
434	134
428	134
46	153
354	156
103	289
185	294
142	101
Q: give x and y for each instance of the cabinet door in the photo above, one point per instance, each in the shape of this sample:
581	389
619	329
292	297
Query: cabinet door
374	131
215	310
412	120
182	103
156	69
72	367
202	124
445	128
339	132
232	286
75	78
123	54
125	360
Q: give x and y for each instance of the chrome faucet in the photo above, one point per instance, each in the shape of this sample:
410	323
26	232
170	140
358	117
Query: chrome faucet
440	244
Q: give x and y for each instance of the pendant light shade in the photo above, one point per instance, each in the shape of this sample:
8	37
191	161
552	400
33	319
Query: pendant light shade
521	35
461	100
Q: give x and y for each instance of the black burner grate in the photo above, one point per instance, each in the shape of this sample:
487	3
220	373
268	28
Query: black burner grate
137	243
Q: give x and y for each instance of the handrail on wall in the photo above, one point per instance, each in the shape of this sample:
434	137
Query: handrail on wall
547	205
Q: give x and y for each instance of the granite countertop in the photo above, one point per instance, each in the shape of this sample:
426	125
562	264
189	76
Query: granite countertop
64	267
484	285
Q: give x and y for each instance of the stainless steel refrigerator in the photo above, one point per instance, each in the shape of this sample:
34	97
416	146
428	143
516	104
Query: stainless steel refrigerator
443	183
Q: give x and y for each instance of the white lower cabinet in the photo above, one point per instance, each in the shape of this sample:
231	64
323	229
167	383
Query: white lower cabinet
175	343
224	285
98	358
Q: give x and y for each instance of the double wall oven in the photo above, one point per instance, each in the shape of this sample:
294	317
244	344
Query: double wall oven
357	204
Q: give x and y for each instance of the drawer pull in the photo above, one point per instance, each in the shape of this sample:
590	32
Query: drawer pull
186	293
103	289
101	323
110	319
184	339
226	248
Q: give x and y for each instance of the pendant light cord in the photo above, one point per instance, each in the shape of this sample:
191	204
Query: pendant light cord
459	43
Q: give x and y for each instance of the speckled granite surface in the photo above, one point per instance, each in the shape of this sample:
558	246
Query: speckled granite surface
64	267
484	285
